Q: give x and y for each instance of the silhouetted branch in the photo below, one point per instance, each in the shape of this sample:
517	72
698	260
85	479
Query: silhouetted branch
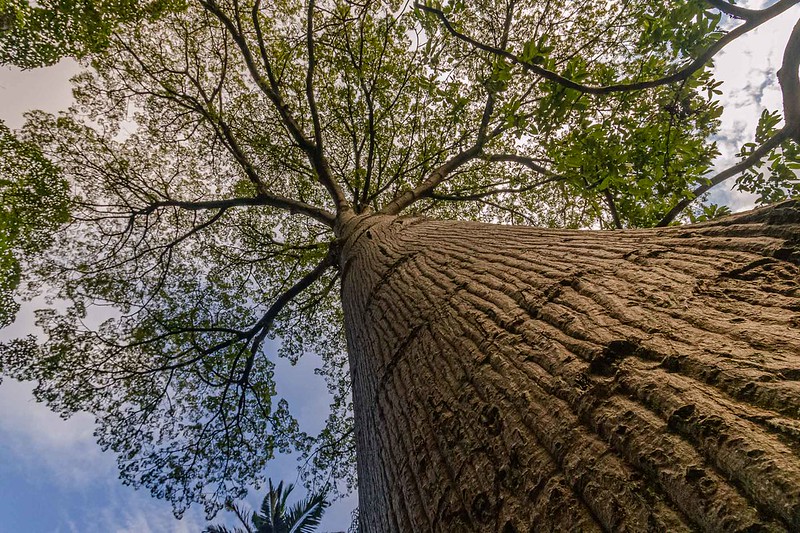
281	202
259	331
733	10
753	21
771	143
270	88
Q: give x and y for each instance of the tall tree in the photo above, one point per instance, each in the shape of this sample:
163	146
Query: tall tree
321	170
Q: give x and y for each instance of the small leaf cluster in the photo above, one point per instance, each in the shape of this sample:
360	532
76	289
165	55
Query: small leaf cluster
709	212
779	177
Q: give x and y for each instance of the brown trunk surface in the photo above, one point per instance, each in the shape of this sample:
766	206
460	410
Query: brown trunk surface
518	379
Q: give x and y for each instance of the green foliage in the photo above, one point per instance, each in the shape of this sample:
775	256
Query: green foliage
709	212
641	151
777	179
41	34
648	157
33	204
680	29
536	51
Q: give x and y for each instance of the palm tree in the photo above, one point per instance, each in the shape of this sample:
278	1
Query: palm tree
303	517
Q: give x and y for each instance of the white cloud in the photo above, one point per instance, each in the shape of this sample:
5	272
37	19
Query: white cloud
62	457
145	516
40	439
748	68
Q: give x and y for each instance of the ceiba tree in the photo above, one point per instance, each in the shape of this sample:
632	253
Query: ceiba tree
411	180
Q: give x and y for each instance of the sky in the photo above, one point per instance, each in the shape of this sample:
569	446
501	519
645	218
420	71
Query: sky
55	479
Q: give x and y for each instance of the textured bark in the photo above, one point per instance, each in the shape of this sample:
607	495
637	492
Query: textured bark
511	378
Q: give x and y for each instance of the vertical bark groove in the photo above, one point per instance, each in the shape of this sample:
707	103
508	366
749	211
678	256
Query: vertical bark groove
520	379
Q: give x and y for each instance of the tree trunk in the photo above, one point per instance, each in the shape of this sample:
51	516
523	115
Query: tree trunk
518	379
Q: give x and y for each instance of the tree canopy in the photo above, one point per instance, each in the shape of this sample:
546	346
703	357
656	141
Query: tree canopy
33	204
42	34
212	150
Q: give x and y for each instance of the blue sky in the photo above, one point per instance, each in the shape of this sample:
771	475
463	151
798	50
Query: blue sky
54	478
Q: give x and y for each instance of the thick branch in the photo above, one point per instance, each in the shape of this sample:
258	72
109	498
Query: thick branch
281	202
261	328
435	178
753	159
228	139
254	335
790	83
733	10
753	21
224	133
425	189
270	89
612	207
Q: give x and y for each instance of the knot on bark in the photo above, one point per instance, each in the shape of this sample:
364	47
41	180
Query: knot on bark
482	508
607	362
491	419
681	416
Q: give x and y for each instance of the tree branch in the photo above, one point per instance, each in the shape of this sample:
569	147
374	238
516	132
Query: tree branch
259	331
434	178
255	335
225	135
442	171
312	102
755	20
612	206
270	89
281	202
733	10
771	143
492	192
789	79
529	162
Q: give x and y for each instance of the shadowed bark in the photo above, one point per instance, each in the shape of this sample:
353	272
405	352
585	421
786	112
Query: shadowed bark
518	379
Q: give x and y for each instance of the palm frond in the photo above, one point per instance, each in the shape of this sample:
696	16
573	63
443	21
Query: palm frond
305	515
302	517
223	529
